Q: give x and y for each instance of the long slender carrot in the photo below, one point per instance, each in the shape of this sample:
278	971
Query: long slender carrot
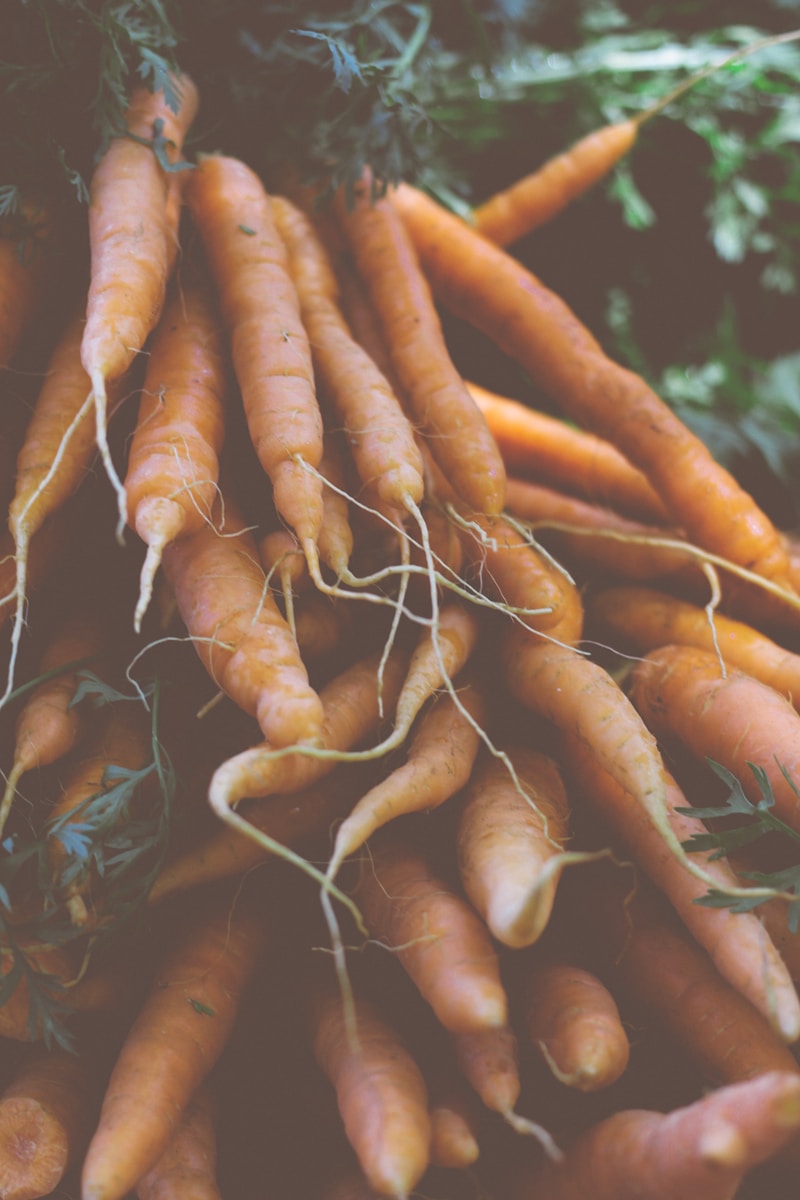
510	842
439	402
271	353
380	1091
133	241
439	940
573	1020
187	1168
550	451
488	288
173	463
703	1150
239	633
174	1042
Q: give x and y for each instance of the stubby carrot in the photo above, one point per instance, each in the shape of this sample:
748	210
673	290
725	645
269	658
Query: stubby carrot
454	1130
438	939
488	288
703	1150
552	452
178	1035
173	464
380	1091
133	242
438	400
573	1020
510	839
271	353
187	1168
239	633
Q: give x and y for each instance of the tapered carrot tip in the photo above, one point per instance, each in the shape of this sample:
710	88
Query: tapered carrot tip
453	1143
33	1150
517	915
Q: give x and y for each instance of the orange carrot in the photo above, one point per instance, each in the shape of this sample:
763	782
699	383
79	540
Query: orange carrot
239	634
173	458
552	452
438	400
439	655
187	1168
174	1042
640	620
133	242
571	1017
438	939
271	354
732	719
488	288
702	1150
23	268
439	763
509	843
335	539
45	1119
454	1131
380	1091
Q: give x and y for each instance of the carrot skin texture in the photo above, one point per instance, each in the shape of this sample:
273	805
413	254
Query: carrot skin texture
454	1133
381	1094
488	288
187	1168
271	353
538	197
573	1020
701	1150
437	938
171	1047
489	1060
513	571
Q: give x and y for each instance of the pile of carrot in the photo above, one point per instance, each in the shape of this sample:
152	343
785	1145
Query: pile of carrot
397	695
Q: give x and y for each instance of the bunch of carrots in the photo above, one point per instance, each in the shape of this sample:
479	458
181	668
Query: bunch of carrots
390	833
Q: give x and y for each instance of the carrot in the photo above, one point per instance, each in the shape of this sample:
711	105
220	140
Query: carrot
438	939
438	764
732	719
45	1118
378	431
174	1042
702	1150
737	943
133	240
438	400
509	841
239	634
572	1019
187	1168
481	283
173	458
23	270
552	452
271	353
454	1131
439	655
641	619
380	1091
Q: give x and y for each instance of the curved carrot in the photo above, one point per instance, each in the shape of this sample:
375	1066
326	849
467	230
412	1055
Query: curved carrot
555	453
439	402
488	288
187	1168
173	462
271	354
133	242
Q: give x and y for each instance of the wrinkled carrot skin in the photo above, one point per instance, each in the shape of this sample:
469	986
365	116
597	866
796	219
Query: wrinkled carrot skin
380	1091
504	841
552	452
740	948
490	289
489	1060
681	693
511	570
132	233
187	1168
538	197
45	1119
701	1150
271	353
438	939
23	269
438	400
641	619
239	633
174	1042
379	434
572	1018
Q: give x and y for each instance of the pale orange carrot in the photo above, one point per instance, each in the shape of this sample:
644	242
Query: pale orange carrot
23	269
187	1168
